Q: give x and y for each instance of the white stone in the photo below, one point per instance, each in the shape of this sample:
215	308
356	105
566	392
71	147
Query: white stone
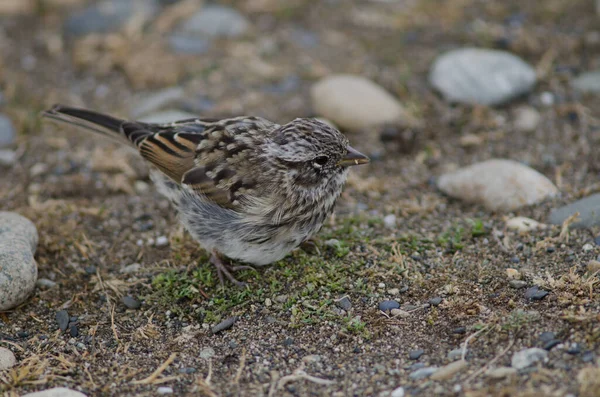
18	269
481	76
397	392
55	392
354	102
498	184
7	157
526	119
162	241
7	359
164	390
587	247
390	221
207	352
133	268
523	224
525	358
588	82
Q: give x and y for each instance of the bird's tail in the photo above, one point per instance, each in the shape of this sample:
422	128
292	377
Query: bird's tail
103	124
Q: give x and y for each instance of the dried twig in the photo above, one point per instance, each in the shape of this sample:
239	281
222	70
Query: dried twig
492	362
464	348
152	379
238	375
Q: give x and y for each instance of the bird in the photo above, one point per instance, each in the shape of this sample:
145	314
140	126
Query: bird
247	189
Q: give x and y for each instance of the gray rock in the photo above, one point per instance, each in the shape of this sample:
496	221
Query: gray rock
216	21
55	392
153	102
207	353
423	373
8	158
435	301
498	184
186	43
45	283
525	358
588	208
355	103
223	325
588	82
416	354
388	305
517	284
526	119
481	76
18	269
7	131
167	116
131	302
62	319
535	293
455	354
344	303
109	16
449	370
7	359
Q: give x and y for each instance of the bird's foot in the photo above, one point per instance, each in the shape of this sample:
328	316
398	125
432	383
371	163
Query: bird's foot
225	270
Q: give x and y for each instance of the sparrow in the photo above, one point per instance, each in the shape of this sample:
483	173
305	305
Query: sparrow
245	188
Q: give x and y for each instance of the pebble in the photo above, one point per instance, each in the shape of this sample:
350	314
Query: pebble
456	353
397	392
588	82
498	184
416	354
108	16
522	224
535	293
588	356
528	357
7	359
207	352
355	103
164	390
423	373
435	301
223	325
18	269
344	303
62	319
186	43
385	306
526	119
73	331
155	101
45	283
216	21
501	372
513	274
7	131
162	241
574	349
167	116
8	157
187	370
481	76
588	208
55	392
399	313
131	302
546	336
459	330
449	370
587	247
390	221
547	98
551	344
133	268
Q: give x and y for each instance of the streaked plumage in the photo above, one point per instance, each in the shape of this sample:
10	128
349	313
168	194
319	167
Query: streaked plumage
245	187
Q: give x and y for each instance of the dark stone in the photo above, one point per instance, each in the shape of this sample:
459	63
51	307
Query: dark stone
546	336
535	294
223	325
90	269
131	302
288	341
459	330
344	303
515	259
574	349
22	334
587	356
435	301
357	350
187	370
551	344
550	249
388	305
416	354
62	318
74	331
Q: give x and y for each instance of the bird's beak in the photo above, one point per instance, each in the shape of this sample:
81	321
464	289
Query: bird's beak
353	157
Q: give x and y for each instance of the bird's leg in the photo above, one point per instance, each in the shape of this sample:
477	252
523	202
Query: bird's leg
222	269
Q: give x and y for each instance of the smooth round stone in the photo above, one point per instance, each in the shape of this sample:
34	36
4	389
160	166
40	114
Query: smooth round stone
18	269
188	44
354	102
7	131
388	305
525	358
131	302
481	77
216	21
108	16
526	119
423	373
588	82
498	184
55	392
588	208
7	359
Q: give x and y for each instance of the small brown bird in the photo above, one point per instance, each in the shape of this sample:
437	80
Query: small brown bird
245	187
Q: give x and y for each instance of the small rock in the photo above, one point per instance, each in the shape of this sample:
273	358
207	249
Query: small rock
546	336
526	119
535	294
141	187
481	76
73	331
423	373
587	247
131	302
399	313
18	269
551	344
456	354
8	158
523	225
589	212
501	372
593	266
191	44
397	392
108	16
223	325
355	103
385	306
157	100
45	283
498	184
513	274
90	269
390	221
459	330
38	169
55	392
588	356
164	390
133	268
588	82
435	301
62	319
7	359
187	370
547	98
207	352
162	241
574	349
167	116
525	358
416	354
449	370
216	21
7	131
344	303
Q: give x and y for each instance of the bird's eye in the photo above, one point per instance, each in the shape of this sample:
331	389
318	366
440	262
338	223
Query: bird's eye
321	161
